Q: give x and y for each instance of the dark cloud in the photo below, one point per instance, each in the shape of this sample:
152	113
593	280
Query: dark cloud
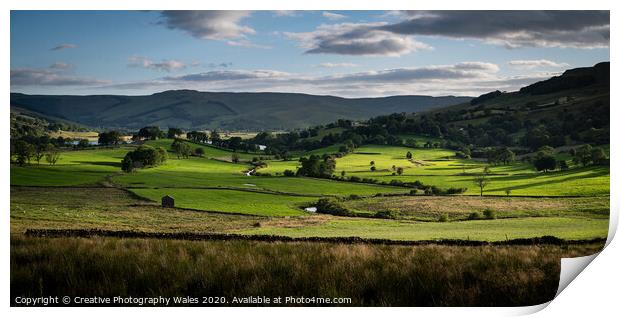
513	29
583	29
60	47
211	24
355	39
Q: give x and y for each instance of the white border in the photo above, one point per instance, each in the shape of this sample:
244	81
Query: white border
593	290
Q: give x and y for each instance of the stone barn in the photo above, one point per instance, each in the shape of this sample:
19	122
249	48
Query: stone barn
167	201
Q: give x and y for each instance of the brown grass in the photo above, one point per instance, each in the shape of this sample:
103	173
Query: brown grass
368	274
455	206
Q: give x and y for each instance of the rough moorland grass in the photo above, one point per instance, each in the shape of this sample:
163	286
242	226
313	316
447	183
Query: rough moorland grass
112	209
458	207
368	274
480	230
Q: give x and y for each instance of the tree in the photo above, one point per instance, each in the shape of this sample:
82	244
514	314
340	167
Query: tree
545	162
145	155
234	158
583	155
215	137
150	133
399	171
563	165
409	155
598	156
173	133
182	149
127	164
39	152
373	168
83	143
199	151
23	152
109	138
482	180
343	173
51	154
316	166
372	163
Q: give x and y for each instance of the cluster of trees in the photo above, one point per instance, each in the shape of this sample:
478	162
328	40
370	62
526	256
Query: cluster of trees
109	138
182	149
143	156
317	166
25	152
587	155
501	155
150	133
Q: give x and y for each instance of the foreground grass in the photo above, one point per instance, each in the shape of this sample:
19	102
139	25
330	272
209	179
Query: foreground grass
368	274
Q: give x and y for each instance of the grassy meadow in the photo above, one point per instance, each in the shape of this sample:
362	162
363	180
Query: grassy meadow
87	190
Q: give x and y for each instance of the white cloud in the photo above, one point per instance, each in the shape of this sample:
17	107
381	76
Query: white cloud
335	65
49	77
355	39
333	16
164	65
60	65
536	63
285	13
466	78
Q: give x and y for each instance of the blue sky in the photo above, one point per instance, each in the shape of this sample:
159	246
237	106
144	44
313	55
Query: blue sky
344	53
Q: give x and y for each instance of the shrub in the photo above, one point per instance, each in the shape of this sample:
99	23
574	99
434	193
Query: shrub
443	218
474	216
413	192
289	173
331	206
489	214
387	214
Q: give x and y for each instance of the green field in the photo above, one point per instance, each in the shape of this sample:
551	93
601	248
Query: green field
485	230
214	184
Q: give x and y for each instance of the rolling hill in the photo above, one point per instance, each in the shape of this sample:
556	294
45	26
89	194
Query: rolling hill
190	109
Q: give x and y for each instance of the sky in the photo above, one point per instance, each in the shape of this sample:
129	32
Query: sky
342	53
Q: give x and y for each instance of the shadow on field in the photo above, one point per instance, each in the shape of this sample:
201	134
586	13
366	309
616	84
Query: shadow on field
101	163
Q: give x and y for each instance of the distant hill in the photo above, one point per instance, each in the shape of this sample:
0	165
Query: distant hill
189	109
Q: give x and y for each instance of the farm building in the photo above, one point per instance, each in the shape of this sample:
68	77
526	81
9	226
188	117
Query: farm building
167	201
